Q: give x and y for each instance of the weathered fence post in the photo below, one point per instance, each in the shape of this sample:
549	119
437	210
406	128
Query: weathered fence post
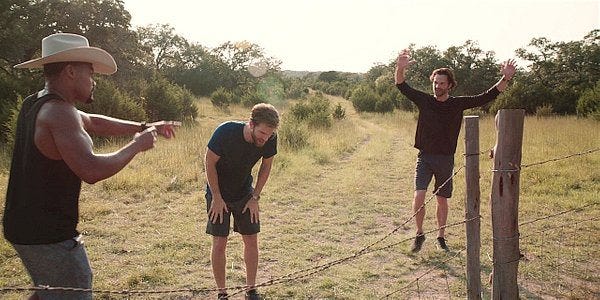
472	207
505	202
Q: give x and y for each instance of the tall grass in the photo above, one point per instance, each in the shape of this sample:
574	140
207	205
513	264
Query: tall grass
352	185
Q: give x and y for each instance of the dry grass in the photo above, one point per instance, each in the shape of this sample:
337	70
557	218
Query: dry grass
144	228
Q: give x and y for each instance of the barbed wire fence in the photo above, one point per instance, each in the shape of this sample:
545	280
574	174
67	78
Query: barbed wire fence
311	271
577	216
294	276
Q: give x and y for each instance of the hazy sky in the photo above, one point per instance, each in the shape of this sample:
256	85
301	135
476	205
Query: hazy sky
353	35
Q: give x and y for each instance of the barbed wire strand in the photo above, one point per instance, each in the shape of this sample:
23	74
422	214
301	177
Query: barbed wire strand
488	151
560	158
415	213
323	267
558	214
558	226
319	268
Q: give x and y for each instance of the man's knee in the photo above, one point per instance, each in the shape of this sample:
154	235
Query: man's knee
219	243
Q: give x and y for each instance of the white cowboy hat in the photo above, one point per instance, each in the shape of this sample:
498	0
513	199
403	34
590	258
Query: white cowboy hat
67	47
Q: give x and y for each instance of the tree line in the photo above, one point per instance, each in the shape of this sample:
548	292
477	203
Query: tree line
161	73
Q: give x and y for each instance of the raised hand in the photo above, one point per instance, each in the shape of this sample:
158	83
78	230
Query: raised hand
508	68
404	59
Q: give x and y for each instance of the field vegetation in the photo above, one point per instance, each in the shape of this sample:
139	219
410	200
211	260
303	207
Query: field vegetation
346	186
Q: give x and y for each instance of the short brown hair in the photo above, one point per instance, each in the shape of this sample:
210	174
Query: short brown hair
266	114
444	71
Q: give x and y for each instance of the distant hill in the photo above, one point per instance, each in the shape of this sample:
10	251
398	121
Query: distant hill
298	74
301	74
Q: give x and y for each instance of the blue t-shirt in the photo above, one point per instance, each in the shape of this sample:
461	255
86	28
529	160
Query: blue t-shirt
237	158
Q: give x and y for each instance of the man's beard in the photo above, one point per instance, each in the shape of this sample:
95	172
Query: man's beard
440	92
254	140
90	98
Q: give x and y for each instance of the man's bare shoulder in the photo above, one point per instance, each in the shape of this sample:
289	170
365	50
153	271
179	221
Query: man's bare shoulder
57	112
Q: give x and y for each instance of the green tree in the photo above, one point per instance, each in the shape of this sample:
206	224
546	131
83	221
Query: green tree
589	102
566	68
167	48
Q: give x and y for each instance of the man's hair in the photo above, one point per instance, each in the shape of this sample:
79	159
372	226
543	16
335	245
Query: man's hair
444	71
266	114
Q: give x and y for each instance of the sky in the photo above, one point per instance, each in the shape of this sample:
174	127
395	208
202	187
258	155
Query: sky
355	35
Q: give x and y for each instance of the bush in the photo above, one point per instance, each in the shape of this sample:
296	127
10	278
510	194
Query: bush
364	98
296	90
292	134
339	112
384	105
167	101
315	111
110	101
10	126
221	98
270	90
251	99
545	110
588	103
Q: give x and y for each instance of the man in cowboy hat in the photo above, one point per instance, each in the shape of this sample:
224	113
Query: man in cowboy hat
53	153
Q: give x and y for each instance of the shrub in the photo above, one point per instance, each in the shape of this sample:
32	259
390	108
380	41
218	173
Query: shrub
10	126
384	105
544	111
251	99
167	101
110	101
221	98
315	111
589	102
364	98
296	90
292	134
270	90
339	112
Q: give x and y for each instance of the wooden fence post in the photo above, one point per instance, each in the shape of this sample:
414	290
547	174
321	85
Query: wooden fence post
505	202
472	207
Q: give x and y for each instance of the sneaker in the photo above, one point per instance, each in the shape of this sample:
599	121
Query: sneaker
252	295
419	239
442	244
222	296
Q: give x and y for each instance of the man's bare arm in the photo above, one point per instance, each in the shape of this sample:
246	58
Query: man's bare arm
64	125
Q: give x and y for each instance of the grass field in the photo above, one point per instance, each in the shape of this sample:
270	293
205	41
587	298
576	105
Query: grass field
144	228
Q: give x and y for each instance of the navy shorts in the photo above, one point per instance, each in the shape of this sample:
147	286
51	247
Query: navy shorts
439	165
241	221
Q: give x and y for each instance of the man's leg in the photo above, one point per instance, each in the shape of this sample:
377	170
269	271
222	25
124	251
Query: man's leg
442	214
218	260
419	199
419	210
63	264
443	184
251	258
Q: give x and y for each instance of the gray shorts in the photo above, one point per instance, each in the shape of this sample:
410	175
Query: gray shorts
62	264
241	221
438	165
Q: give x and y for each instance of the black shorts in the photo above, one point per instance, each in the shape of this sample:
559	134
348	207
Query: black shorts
440	166
241	221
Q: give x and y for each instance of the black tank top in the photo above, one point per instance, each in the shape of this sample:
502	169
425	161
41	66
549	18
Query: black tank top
42	197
